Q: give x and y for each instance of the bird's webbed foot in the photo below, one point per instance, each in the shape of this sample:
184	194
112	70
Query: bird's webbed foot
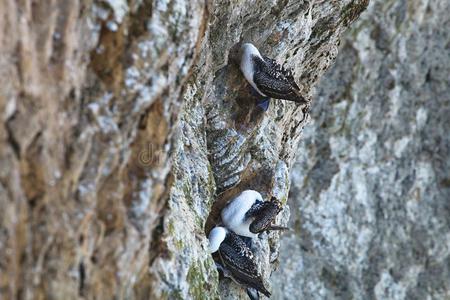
263	103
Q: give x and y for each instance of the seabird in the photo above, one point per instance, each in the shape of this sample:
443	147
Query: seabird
237	260
248	215
267	77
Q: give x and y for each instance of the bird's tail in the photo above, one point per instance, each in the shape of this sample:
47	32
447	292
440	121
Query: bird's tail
299	97
265	292
276	227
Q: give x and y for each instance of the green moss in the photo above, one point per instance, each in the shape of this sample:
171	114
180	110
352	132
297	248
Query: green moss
210	267
206	264
179	244
187	194
164	295
199	221
196	281
176	295
203	280
171	228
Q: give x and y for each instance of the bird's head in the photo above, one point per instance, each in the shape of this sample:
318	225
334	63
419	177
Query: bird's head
216	237
277	202
238	51
248	49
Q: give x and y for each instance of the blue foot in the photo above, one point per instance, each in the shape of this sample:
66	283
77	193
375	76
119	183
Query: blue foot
263	103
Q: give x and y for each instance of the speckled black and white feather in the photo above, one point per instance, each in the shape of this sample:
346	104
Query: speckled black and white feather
238	259
268	77
263	214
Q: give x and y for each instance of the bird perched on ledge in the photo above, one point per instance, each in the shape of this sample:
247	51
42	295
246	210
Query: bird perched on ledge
267	77
237	261
248	215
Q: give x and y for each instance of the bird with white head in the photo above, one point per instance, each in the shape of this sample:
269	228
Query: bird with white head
237	260
268	78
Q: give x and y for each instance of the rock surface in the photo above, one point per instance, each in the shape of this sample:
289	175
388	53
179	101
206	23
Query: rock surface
126	125
370	190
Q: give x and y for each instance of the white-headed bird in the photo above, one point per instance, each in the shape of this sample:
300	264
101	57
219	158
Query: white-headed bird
267	77
237	261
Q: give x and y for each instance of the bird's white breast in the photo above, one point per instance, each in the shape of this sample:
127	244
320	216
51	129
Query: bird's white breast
233	215
247	65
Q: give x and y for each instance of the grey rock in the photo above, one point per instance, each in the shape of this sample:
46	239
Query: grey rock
370	193
126	126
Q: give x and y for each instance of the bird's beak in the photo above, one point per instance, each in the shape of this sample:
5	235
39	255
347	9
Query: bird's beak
278	202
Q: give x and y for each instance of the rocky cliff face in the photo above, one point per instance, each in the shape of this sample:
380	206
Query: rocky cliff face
370	192
125	126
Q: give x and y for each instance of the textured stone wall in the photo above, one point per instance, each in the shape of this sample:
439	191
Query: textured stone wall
87	86
370	190
126	125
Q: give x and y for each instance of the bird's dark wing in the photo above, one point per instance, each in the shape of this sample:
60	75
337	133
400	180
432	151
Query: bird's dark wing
263	215
287	74
238	259
275	81
256	207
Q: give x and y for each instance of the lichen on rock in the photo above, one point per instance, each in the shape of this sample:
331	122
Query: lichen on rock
125	125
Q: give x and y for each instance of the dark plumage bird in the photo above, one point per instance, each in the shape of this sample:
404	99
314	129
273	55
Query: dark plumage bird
237	260
267	77
248	215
